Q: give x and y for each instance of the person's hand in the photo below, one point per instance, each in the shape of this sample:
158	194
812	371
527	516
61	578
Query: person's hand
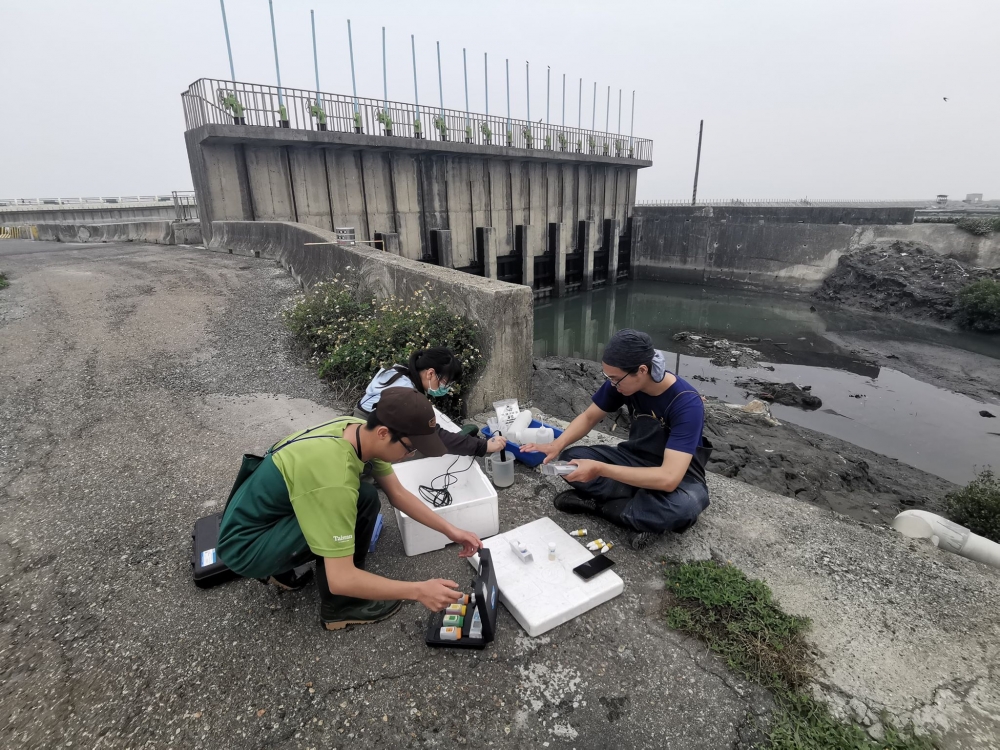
437	593
469	541
586	470
496	443
551	450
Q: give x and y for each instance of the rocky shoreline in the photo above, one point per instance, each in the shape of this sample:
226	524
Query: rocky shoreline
757	449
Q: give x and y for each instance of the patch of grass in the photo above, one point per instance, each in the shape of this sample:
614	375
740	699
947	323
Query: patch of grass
3	281
738	619
351	334
979	306
977	505
980	226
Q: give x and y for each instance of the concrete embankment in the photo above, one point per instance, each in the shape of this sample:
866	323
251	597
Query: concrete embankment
503	311
156	232
792	248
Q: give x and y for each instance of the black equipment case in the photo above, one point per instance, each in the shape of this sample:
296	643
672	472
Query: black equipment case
484	586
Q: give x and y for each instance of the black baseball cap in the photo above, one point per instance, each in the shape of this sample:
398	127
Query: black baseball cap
410	415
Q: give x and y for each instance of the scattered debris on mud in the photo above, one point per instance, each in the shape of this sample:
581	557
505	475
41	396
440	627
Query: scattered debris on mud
721	352
786	394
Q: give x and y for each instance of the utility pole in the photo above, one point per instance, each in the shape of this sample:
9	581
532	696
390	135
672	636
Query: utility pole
619	111
465	73
527	87
697	165
548	87
579	106
564	101
312	20
385	79
507	63
440	84
607	112
486	78
350	46
277	68
416	98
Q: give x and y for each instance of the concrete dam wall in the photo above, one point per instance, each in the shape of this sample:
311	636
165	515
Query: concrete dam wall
792	247
491	210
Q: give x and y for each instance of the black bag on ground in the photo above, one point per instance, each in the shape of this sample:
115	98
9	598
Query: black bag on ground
208	569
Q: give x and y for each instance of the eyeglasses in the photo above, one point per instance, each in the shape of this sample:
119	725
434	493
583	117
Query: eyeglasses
410	450
616	383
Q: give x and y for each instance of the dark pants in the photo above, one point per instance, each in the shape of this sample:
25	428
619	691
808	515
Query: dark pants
634	507
257	549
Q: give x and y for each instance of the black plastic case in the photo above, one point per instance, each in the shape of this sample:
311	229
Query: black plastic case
208	569
487	600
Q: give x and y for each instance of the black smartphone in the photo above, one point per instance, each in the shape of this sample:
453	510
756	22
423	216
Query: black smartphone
591	568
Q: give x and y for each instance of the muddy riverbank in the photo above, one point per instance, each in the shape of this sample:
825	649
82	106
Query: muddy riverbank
785	458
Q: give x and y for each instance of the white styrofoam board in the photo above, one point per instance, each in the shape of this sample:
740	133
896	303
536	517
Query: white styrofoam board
445	422
543	594
474	504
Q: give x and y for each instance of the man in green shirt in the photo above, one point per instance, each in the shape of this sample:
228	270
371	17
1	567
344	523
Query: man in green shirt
306	501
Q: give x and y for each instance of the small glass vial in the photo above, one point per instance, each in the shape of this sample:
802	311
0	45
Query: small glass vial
552	550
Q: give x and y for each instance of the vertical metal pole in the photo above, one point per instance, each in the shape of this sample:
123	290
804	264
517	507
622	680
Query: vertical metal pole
385	79
607	112
229	49
440	84
527	86
619	111
697	165
508	95
548	87
579	105
416	98
465	74
593	114
631	123
564	101
350	46
312	19
274	38
486	77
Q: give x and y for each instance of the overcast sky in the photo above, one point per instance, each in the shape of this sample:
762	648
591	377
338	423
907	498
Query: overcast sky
833	99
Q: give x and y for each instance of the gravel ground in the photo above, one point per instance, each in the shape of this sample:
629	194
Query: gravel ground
134	378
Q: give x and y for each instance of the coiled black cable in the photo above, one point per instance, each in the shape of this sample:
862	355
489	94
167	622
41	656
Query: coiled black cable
440	497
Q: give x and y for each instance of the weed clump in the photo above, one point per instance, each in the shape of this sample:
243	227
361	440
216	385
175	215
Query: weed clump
3	281
979	226
979	306
350	334
738	619
977	505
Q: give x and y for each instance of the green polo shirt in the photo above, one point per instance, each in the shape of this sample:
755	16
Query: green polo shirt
322	474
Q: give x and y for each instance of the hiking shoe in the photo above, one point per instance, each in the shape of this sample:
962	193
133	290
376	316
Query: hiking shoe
337	612
291	580
570	501
642	539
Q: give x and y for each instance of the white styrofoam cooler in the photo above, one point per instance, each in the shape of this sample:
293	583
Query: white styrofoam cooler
473	506
543	593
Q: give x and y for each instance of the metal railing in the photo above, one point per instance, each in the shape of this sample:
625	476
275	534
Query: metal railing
781	202
185	205
211	101
85	201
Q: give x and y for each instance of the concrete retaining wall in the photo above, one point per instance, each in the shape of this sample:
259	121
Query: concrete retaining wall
773	249
407	188
93	214
504	312
156	232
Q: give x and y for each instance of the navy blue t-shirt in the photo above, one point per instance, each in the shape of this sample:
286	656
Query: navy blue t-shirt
680	407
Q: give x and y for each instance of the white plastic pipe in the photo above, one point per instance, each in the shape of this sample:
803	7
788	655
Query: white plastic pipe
920	524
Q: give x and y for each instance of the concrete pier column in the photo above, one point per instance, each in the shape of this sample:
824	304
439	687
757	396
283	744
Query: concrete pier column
486	239
557	240
390	242
589	241
612	230
446	256
528	238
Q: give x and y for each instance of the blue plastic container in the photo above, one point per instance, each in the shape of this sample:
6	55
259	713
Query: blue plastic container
528	459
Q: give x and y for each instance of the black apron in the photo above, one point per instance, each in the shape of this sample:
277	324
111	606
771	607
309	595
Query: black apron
647	440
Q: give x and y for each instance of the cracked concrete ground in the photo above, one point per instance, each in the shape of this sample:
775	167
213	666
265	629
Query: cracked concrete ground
135	376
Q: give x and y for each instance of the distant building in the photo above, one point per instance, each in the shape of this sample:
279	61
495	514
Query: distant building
974	198
942	200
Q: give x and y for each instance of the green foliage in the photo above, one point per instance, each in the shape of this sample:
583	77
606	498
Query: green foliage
977	505
979	306
230	102
548	142
3	281
318	112
618	148
979	226
738	619
468	132
350	334
484	128
385	118
562	141
417	127
528	137
592	143
357	120
282	112
442	126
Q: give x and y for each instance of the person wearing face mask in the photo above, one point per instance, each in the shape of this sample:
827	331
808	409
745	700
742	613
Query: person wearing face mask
434	372
653	482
